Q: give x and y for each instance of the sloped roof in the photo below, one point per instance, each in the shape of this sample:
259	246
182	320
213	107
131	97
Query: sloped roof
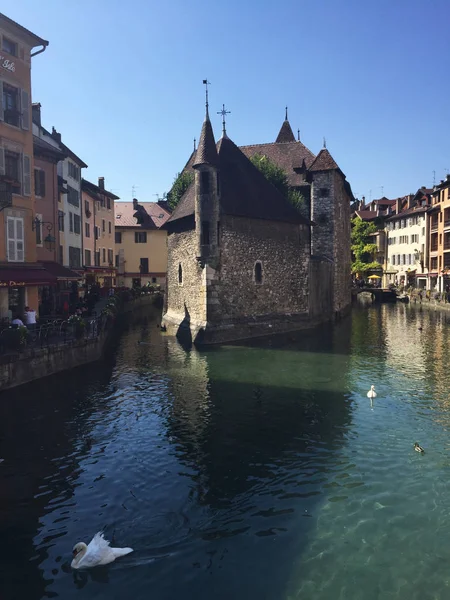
244	191
324	162
41	147
95	190
206	152
367	215
124	214
285	134
287	155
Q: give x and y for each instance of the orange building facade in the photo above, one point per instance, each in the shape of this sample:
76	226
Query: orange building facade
20	274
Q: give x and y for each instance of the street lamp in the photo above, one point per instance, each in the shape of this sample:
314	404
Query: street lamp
49	240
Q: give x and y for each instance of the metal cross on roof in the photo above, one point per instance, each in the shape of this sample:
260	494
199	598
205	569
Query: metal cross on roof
286	117
224	113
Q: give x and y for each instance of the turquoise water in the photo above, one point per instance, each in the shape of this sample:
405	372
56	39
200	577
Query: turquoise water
248	471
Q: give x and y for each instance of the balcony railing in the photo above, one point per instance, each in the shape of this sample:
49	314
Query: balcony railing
434	226
447	223
434	248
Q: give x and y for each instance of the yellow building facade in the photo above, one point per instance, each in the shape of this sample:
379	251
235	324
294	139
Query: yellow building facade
140	243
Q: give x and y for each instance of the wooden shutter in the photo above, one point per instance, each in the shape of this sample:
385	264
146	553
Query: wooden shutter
11	232
26	175
20	249
2	160
2	110
25	106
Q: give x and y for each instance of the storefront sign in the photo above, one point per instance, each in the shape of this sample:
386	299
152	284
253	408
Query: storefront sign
12	283
7	64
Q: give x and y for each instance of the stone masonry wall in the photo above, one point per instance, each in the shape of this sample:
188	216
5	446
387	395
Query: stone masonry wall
282	249
322	214
188	299
342	253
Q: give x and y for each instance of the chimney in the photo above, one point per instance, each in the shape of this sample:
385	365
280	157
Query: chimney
36	113
409	201
101	183
398	206
135	203
448	177
55	135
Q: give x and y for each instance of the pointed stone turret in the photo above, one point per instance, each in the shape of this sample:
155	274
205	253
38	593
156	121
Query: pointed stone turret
206	152
323	162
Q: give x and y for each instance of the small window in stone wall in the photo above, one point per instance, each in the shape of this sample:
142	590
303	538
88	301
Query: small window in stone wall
180	274
324	192
258	272
204	182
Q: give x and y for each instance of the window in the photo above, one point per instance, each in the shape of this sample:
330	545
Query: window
153	279
109	227
104	255
103	225
97	258
258	272
70	221
74	257
415	238
403	259
143	266
87	230
434	264
117	260
76	224
87	258
74	171
108	204
110	256
12	169
204	182
118	237
205	233
38	230
9	46
87	209
60	220
180	274
39	182
73	197
393	259
11	105
423	231
324	192
61	255
140	237
97	232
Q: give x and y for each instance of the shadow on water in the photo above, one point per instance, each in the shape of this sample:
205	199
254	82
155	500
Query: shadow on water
211	464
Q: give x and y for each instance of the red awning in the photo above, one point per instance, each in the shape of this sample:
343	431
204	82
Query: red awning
60	272
25	276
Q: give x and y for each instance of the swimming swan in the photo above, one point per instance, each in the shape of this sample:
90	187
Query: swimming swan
371	393
98	552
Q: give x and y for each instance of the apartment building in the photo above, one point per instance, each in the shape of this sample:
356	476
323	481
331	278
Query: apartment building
20	274
98	233
140	243
439	246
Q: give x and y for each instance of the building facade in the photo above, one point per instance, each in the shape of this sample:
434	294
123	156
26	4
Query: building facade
140	243
98	233
20	273
242	261
439	236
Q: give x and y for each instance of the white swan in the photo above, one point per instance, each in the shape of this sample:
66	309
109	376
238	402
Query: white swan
98	552
371	393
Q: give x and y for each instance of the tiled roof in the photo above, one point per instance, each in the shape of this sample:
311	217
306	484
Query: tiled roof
323	162
366	215
285	134
89	187
244	191
42	147
410	211
206	152
288	156
124	214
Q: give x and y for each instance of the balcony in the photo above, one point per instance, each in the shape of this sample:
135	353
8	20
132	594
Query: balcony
446	223
434	226
434	248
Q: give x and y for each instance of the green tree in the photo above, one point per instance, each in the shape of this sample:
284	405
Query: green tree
278	178
180	184
363	249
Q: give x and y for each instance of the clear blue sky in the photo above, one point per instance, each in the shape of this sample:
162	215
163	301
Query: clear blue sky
122	82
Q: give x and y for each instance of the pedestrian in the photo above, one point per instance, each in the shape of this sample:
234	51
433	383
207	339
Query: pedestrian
30	318
17	321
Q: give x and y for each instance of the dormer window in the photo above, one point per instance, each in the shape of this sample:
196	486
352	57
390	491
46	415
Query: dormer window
9	46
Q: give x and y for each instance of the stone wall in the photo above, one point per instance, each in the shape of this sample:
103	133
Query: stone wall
36	363
321	277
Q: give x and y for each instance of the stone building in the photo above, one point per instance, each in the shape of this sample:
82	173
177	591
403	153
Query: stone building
242	261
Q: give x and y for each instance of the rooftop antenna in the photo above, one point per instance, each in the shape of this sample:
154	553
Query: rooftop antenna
224	113
133	190
434	178
206	83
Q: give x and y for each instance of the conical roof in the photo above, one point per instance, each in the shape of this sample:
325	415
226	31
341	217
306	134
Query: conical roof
285	134
323	162
206	153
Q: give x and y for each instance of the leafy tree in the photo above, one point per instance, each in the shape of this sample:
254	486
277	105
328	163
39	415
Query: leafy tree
278	178
362	247
180	184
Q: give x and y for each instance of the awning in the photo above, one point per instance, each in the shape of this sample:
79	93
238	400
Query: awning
60	272
25	276
390	272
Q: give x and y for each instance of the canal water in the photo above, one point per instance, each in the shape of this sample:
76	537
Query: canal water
254	471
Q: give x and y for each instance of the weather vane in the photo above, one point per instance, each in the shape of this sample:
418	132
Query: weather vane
206	83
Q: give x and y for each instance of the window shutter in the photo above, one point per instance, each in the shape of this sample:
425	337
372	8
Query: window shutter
2	117
2	161
11	239
26	175
25	110
42	183
19	240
